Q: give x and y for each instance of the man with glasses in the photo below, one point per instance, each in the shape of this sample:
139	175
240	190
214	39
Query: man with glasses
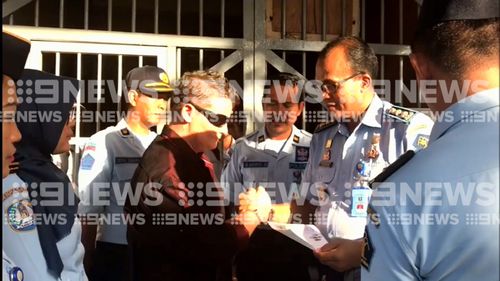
365	136
187	233
274	157
108	162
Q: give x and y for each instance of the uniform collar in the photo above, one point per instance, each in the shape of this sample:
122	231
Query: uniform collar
464	109
122	125
287	146
374	113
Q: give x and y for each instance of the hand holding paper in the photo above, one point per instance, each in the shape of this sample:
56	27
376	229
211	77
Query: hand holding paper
341	254
307	235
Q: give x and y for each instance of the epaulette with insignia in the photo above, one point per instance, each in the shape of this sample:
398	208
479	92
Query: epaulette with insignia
400	113
391	169
324	126
125	132
261	139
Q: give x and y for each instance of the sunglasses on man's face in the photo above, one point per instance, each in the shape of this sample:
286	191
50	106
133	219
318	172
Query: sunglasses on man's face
218	120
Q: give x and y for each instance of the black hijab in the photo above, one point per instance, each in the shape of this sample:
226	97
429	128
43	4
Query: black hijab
45	102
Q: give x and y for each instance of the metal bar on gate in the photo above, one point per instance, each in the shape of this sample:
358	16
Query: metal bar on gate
99	91
178	17
78	102
58	64
222	23
169	62
110	15
200	24
303	37
401	62
178	65
11	19
382	21
283	19
86	15
141	61
61	13
343	16
363	18
200	60
304	20
67	35
120	84
157	8
382	37
134	14
283	24
37	12
200	18
323	20
228	62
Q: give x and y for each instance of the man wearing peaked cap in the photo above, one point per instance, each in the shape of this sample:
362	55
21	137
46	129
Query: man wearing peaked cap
111	157
445	236
14	54
150	80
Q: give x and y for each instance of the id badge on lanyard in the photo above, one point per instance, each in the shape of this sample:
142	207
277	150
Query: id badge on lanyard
360	193
359	201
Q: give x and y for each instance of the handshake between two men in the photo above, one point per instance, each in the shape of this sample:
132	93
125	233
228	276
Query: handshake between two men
255	207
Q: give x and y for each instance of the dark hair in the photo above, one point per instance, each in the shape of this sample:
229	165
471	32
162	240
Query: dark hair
286	78
456	45
360	55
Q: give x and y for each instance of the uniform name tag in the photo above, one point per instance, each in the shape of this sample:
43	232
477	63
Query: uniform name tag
127	160
298	166
255	164
360	200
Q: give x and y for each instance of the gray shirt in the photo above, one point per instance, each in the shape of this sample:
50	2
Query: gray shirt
439	214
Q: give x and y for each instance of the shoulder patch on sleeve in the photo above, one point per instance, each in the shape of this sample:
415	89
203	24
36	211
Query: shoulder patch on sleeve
421	141
87	162
324	126
90	146
400	113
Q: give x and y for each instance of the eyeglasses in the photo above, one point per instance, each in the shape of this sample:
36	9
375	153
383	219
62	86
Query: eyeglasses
218	120
332	87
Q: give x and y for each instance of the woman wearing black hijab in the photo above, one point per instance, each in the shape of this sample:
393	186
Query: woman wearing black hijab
43	234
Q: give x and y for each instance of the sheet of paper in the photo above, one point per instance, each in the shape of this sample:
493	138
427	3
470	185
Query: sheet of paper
307	235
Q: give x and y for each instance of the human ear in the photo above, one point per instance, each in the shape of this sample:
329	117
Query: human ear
133	95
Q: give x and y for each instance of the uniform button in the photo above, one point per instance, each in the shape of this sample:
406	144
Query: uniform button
16	274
